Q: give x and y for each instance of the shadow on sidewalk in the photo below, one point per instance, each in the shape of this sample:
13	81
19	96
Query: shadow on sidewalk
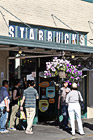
51	123
57	125
88	125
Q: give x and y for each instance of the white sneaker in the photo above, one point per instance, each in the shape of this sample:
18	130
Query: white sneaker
14	129
29	132
5	131
73	134
82	133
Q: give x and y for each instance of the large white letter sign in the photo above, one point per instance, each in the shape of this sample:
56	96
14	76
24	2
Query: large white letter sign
31	35
58	37
74	38
41	35
22	32
82	40
66	38
49	36
11	31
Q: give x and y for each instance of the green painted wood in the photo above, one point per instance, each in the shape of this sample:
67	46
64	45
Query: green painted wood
45	35
26	32
16	34
91	1
78	39
62	38
85	40
36	30
70	38
4	40
53	36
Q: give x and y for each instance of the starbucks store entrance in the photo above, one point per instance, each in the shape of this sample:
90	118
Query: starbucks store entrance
32	69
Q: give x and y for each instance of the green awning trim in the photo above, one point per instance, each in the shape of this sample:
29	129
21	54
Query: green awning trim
5	40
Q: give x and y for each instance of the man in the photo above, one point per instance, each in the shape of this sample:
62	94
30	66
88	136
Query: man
30	95
74	108
64	90
14	120
4	106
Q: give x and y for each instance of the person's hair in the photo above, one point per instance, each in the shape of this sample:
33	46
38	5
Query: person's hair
16	81
31	82
5	82
64	81
74	86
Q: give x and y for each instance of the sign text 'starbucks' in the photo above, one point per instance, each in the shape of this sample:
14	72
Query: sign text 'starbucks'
47	34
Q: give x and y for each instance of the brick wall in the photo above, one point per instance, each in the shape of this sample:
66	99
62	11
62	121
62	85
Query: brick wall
75	13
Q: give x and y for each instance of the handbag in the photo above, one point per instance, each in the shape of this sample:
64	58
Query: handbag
81	103
18	113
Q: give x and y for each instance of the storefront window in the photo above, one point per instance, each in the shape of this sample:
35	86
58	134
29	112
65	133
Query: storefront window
23	69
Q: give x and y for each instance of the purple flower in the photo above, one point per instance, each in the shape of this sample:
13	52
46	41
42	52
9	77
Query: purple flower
70	70
67	65
67	70
78	83
80	73
72	77
70	83
77	78
75	70
79	65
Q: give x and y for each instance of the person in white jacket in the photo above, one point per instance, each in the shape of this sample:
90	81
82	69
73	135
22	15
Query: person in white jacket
74	108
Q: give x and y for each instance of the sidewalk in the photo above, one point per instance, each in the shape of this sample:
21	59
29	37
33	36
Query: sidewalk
50	132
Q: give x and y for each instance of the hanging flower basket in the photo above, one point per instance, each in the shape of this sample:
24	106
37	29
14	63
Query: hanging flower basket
64	69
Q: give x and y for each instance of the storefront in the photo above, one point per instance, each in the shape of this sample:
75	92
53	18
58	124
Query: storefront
30	48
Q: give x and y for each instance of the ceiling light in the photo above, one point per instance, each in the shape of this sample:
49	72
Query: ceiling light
20	51
72	56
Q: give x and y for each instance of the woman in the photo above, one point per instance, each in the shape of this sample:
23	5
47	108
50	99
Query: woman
74	108
62	103
14	120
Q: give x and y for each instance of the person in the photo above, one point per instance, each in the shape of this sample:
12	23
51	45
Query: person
29	96
62	103
4	106
74	108
14	120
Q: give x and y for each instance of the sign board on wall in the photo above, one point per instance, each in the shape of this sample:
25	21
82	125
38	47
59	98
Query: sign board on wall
2	74
34	32
43	105
44	84
50	92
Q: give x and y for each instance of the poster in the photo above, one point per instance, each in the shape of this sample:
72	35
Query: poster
2	74
43	105
51	101
44	84
50	92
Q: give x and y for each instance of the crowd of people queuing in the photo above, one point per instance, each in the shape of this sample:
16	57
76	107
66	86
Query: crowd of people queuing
28	99
68	103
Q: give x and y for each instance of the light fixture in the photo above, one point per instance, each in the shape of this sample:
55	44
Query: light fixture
20	51
72	56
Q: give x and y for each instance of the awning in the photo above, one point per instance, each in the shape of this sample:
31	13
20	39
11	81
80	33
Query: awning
18	42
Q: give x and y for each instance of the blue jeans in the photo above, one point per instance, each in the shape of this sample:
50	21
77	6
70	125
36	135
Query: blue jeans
65	115
3	119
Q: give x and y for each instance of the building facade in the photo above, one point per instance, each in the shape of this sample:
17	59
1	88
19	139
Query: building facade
49	27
